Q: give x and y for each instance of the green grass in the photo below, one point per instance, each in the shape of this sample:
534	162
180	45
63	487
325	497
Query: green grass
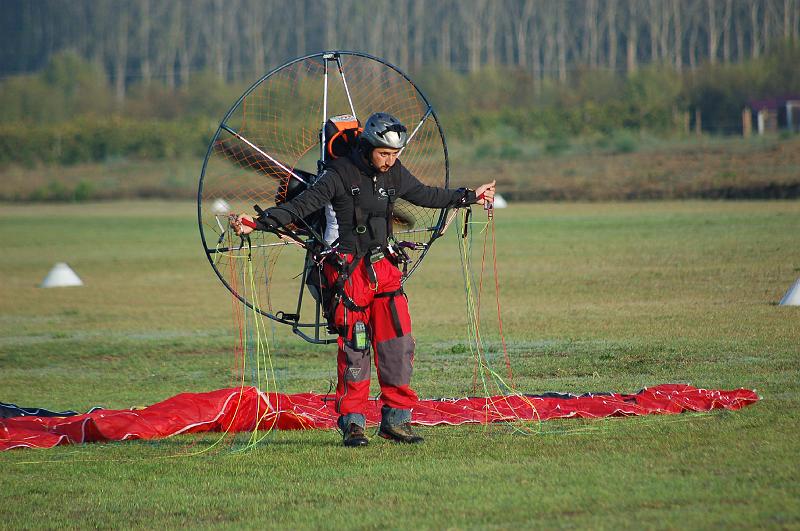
595	297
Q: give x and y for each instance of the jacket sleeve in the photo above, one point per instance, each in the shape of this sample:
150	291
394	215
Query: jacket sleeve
312	199
413	191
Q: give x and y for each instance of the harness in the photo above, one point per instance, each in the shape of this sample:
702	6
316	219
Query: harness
369	255
363	225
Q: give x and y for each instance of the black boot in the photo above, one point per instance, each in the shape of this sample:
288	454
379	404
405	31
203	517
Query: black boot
396	426
352	426
354	436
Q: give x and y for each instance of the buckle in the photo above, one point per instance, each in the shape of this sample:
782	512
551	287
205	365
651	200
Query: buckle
376	255
360	229
355	190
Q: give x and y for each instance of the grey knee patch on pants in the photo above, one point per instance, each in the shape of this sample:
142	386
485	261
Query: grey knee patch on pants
358	365
395	360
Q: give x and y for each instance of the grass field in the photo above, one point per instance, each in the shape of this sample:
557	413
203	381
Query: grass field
604	296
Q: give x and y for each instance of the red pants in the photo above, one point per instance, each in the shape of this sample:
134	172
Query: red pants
389	328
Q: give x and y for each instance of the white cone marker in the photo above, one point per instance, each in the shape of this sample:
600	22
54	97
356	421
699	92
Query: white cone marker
792	297
61	276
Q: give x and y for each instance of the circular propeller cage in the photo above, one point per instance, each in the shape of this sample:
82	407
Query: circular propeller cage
271	136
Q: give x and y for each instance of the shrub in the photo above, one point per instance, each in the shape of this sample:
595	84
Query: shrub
510	152
483	151
91	139
625	142
83	191
557	144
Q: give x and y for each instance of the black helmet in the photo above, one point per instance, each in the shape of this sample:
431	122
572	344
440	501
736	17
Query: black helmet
384	130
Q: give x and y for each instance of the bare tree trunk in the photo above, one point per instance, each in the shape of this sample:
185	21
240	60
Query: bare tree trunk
632	37
677	34
549	32
595	33
536	50
475	46
654	27
186	53
184	68
472	17
418	26
444	41
144	41
786	9
121	54
589	25
376	35
330	30
255	36
765	20
665	15
713	35
755	40
738	23
232	41
490	16
693	37
795	20
217	36
401	26
726	31
522	22
171	19
561	41
98	14
508	38
611	18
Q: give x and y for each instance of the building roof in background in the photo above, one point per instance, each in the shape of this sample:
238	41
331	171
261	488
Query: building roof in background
772	104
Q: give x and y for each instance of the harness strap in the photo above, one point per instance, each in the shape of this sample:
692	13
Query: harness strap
352	306
360	226
391	295
391	196
345	270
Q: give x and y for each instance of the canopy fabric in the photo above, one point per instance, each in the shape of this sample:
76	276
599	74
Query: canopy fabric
8	411
241	409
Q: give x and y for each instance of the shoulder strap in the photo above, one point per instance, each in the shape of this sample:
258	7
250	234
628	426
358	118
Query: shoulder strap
391	196
360	225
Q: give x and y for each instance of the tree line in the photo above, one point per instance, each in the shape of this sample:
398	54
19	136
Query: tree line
145	41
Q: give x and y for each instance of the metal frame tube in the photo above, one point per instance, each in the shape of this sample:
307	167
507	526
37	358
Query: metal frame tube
346	88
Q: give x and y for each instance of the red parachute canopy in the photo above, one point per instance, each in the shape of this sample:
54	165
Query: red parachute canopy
242	409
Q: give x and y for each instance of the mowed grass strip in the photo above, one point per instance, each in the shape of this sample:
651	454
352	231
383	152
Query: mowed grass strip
594	297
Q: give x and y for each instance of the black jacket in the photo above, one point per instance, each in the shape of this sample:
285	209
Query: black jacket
335	186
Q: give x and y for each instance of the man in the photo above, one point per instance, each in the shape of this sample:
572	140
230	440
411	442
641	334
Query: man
369	308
